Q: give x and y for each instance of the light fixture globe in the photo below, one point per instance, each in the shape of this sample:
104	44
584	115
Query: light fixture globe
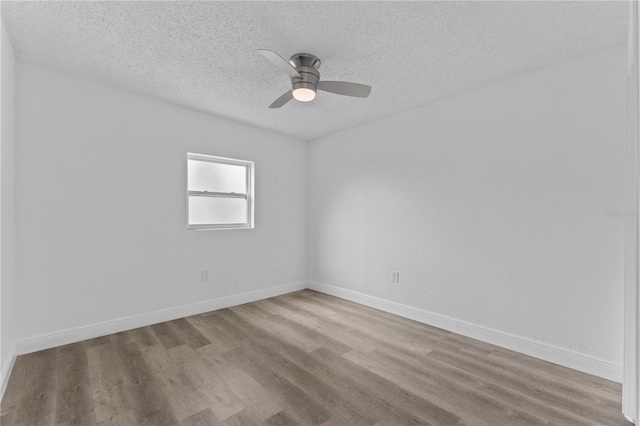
304	94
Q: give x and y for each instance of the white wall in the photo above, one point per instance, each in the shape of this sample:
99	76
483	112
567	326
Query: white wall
7	213
491	205
101	187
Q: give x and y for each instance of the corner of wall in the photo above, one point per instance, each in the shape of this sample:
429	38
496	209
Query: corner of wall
307	219
7	367
8	274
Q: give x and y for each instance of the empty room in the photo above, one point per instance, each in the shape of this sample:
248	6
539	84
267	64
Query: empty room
319	213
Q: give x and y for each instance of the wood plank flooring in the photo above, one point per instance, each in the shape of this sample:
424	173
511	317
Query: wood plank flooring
300	359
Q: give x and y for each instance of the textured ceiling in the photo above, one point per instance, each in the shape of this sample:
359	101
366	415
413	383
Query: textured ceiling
203	54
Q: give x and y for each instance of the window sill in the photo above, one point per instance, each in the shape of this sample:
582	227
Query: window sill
217	227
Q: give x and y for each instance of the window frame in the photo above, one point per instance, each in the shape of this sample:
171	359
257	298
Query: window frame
249	196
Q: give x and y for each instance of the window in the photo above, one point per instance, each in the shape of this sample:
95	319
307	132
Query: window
220	192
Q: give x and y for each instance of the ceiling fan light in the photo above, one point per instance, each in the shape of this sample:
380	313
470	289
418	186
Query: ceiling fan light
304	94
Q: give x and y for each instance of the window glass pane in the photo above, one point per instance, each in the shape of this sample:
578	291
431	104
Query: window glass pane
217	210
216	177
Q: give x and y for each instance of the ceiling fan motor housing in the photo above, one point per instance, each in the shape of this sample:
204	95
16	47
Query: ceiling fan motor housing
307	66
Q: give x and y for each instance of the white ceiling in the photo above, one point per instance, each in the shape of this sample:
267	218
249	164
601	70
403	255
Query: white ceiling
203	54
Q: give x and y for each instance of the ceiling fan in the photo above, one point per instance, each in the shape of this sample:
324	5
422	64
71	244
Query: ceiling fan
305	79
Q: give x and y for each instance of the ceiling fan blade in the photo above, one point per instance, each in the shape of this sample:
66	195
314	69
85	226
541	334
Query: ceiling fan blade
344	88
279	62
282	100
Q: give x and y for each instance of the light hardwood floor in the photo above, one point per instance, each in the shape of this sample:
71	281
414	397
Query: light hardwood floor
303	358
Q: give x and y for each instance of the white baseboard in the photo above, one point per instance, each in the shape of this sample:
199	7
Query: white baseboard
78	334
7	366
565	357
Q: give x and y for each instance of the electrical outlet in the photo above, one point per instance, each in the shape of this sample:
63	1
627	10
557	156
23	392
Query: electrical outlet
204	275
395	277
